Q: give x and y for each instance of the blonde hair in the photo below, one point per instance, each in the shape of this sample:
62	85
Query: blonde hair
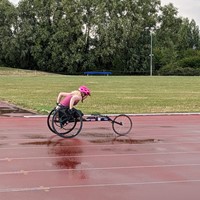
76	92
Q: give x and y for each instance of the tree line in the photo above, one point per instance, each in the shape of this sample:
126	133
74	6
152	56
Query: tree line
72	36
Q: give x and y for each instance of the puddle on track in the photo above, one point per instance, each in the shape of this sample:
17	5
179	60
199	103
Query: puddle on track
126	141
8	110
66	152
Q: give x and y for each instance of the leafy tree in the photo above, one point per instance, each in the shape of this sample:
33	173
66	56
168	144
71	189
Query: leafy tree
189	36
7	28
149	17
167	35
49	31
71	36
120	36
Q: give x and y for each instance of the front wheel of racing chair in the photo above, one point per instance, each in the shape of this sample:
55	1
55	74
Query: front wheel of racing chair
65	124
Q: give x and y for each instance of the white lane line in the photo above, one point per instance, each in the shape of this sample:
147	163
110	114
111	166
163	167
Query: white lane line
45	146
48	188
98	155
25	172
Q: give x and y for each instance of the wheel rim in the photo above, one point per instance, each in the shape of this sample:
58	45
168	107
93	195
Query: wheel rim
125	126
68	128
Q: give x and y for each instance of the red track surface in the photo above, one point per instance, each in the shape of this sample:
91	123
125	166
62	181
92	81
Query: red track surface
159	160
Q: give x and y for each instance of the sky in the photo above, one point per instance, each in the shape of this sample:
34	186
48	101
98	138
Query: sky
186	8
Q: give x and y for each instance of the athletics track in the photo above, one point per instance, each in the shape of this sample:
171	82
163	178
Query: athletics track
159	160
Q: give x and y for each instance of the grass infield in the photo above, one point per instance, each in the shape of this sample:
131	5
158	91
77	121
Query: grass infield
110	94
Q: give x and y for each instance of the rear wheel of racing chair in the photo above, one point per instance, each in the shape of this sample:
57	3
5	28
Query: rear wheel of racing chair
49	119
67	125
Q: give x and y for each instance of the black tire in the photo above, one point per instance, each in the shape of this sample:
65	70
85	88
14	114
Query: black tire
49	120
66	125
122	125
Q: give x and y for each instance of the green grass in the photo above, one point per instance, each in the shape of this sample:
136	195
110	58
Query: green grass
110	94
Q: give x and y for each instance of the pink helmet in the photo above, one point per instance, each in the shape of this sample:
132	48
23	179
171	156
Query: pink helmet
84	89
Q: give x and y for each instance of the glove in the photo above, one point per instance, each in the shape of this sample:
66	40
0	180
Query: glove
58	106
72	111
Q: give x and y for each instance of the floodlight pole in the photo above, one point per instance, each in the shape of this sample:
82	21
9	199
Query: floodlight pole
151	54
151	29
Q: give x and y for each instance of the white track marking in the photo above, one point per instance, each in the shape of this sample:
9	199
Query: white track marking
100	155
25	172
27	146
46	188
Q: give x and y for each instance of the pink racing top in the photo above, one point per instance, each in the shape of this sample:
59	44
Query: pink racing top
66	101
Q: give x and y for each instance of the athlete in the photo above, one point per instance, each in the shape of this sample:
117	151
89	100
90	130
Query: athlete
71	99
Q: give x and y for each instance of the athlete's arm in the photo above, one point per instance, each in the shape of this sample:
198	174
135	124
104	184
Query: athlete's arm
61	95
73	100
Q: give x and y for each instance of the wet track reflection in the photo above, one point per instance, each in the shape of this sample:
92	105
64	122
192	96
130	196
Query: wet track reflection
67	156
64	155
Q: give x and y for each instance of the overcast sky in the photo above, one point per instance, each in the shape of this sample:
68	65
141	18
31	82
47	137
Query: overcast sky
186	8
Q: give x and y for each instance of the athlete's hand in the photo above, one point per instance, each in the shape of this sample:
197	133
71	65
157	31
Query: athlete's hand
71	111
58	106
